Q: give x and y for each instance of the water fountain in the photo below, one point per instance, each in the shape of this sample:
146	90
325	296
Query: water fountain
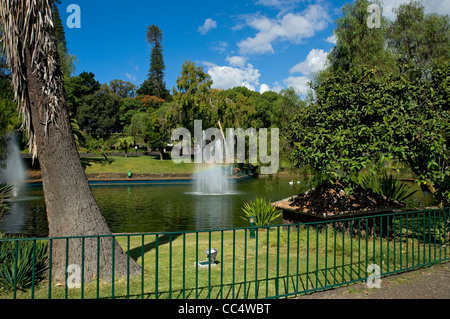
14	173
212	178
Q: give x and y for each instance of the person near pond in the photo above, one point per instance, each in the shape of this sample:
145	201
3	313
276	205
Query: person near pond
129	174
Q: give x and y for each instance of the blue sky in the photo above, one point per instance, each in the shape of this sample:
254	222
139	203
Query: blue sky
261	44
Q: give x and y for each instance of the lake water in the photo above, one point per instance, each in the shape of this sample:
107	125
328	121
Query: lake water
163	208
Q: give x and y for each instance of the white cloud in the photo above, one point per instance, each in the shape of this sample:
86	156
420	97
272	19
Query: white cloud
291	27
315	61
208	25
299	83
238	73
264	88
237	61
332	39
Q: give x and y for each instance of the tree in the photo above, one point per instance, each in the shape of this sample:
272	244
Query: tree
156	135
423	39
357	44
99	115
66	59
72	210
138	125
125	143
77	88
192	95
155	84
124	89
360	120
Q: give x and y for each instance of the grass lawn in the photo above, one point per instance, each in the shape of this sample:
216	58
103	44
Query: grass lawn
138	165
276	262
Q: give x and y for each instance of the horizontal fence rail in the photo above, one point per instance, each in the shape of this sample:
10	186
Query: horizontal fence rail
243	263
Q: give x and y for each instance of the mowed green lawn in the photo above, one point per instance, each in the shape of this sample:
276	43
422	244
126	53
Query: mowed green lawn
137	165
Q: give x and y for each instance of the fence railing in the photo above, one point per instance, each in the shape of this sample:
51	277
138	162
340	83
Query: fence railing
250	263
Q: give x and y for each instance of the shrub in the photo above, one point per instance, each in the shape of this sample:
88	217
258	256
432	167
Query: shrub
16	257
261	210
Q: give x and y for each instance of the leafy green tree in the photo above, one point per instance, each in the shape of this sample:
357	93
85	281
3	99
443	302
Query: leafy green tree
360	120
125	143
77	88
128	109
99	115
357	44
155	84
423	39
192	94
124	89
156	135
138	125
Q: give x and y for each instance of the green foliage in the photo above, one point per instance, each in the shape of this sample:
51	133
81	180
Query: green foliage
98	146
359	119
25	259
155	134
5	190
8	115
423	39
77	89
124	89
99	115
125	143
388	186
261	210
358	45
193	86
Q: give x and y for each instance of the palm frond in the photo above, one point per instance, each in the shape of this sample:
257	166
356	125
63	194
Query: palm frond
28	31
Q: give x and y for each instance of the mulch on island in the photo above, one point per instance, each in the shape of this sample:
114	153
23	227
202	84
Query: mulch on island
331	198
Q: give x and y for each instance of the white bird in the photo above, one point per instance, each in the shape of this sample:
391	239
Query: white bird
291	182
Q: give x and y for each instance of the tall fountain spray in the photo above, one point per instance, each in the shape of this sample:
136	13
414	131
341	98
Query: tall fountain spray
212	178
14	173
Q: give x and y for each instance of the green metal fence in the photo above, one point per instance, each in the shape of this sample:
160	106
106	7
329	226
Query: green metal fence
251	263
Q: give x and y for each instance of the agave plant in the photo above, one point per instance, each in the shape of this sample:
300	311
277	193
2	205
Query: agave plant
22	263
261	210
388	186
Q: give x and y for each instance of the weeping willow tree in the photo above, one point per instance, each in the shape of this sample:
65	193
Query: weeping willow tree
31	52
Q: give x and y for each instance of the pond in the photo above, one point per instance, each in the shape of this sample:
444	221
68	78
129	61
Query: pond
142	208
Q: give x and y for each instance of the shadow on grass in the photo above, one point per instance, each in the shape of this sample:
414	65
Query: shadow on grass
140	251
89	161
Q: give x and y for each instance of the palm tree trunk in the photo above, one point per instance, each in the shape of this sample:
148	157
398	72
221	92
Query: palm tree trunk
71	207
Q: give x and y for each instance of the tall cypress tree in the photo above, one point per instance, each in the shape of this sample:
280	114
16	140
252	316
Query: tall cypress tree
155	85
66	59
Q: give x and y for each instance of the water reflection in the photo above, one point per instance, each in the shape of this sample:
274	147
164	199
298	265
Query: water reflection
165	208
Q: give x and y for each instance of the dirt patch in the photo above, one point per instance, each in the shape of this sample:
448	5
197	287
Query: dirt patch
331	198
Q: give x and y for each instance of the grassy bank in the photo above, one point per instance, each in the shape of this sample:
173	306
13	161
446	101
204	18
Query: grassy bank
138	165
